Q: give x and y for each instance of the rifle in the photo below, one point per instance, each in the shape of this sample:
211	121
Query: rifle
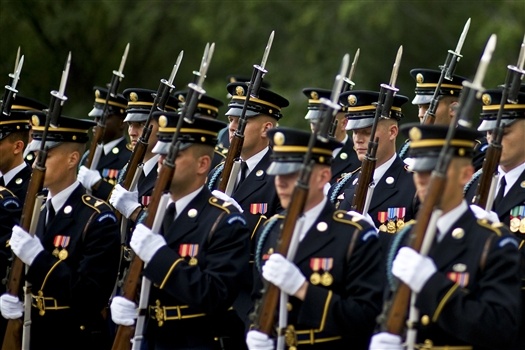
265	312
348	85
396	311
365	185
233	162
489	174
131	282
30	212
447	71
95	149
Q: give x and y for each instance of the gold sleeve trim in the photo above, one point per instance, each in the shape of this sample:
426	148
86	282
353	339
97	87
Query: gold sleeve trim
170	271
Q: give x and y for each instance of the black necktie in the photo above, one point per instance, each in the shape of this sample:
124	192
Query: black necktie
171	212
50	212
499	196
2	183
244	171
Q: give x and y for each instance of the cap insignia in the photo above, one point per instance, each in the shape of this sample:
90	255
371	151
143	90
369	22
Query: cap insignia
163	121
278	139
419	78
133	97
97	93
486	99
414	134
239	91
352	100
181	98
34	120
314	95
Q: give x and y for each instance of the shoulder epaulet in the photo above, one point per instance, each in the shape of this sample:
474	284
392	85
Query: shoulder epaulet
97	204
8	200
219	203
492	226
5	192
343	217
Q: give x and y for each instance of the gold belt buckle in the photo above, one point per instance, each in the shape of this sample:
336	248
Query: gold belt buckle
40	303
159	313
290	337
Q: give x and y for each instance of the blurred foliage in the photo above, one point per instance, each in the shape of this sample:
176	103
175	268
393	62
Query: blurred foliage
310	40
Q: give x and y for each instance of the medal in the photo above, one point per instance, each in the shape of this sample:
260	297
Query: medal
400	224
55	252
193	261
62	255
190	250
315	265
327	279
391	227
514	224
522	226
382	218
382	228
400	218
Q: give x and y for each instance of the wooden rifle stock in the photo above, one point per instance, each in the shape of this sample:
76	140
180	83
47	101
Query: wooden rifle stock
490	165
268	307
368	166
100	129
234	152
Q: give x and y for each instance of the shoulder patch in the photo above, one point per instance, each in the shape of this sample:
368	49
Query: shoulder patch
107	215
236	218
219	203
508	240
97	204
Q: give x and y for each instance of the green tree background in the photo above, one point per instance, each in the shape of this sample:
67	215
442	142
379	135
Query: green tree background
311	37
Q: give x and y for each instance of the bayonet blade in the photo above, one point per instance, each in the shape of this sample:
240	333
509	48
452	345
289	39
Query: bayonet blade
461	41
16	76
204	56
176	67
354	63
338	83
484	63
123	60
17	59
267	49
65	73
208	54
395	68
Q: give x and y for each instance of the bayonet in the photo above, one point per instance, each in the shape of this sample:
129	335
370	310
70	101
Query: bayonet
17	60
267	50
455	56
65	73
123	61
521	58
461	41
483	65
517	73
176	67
16	76
354	63
395	68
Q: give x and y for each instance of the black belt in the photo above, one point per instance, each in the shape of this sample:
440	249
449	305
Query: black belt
171	313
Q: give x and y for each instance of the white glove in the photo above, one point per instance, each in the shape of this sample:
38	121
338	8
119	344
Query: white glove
123	311
481	213
124	201
145	243
258	341
11	306
25	246
413	268
283	274
226	198
385	341
366	217
87	177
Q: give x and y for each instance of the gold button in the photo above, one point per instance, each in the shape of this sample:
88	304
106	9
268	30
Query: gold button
289	307
82	328
458	233
425	320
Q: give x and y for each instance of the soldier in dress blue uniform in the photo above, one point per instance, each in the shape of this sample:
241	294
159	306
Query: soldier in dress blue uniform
509	202
132	203
468	287
73	258
256	194
392	201
344	159
15	174
334	282
196	262
448	99
207	107
116	149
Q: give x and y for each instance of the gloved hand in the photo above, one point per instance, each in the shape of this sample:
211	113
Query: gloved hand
413	268
283	274
385	341
25	246
145	243
123	311
481	213
124	201
226	198
11	306
258	341
365	217
87	177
